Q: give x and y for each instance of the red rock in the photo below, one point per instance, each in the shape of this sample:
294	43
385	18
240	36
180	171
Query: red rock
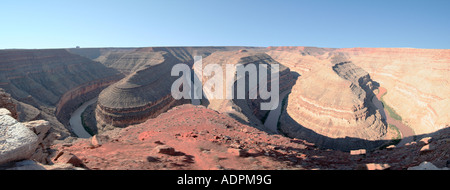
238	152
130	152
164	149
68	158
158	142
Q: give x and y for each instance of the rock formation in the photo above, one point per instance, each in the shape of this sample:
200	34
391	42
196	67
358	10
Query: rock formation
246	110
26	146
139	96
17	142
130	60
194	137
414	78
340	116
416	82
329	107
145	92
53	81
7	102
46	136
46	75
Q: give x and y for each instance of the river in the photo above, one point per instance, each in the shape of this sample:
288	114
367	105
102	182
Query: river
407	134
75	120
271	122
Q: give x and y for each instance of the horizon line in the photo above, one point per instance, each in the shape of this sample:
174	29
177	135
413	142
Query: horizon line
198	46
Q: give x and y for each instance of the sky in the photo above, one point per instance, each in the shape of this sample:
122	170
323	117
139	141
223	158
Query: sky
38	24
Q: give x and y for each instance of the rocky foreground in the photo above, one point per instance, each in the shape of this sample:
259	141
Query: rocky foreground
329	106
194	137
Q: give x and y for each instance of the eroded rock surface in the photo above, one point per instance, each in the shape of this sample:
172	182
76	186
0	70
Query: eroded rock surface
199	138
17	142
248	110
340	116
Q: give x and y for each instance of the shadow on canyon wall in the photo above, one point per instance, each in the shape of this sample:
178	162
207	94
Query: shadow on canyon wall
296	130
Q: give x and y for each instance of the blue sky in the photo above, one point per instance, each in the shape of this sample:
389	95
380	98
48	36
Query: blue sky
141	23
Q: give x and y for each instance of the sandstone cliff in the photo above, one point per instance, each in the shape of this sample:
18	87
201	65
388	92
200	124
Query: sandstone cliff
331	106
246	110
129	60
414	78
416	81
145	92
141	95
53	80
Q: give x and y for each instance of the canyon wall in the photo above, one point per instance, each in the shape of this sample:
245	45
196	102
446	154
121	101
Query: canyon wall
128	60
72	99
52	81
331	106
247	111
416	80
143	94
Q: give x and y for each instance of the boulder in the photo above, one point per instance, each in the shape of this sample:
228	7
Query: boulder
17	142
33	165
358	152
427	148
376	166
238	152
4	111
98	140
45	139
425	140
390	147
39	127
68	158
164	149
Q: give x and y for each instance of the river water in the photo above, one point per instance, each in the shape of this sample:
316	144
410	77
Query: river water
271	122
75	120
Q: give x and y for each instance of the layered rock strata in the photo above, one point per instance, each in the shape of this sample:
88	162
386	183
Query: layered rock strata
129	60
52	80
145	92
139	96
414	78
331	106
46	75
245	110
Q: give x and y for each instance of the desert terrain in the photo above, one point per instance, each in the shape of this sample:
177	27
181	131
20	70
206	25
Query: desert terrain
112	108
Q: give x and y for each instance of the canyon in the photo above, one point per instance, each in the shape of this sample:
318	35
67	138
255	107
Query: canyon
145	92
414	78
326	108
246	110
52	82
340	116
